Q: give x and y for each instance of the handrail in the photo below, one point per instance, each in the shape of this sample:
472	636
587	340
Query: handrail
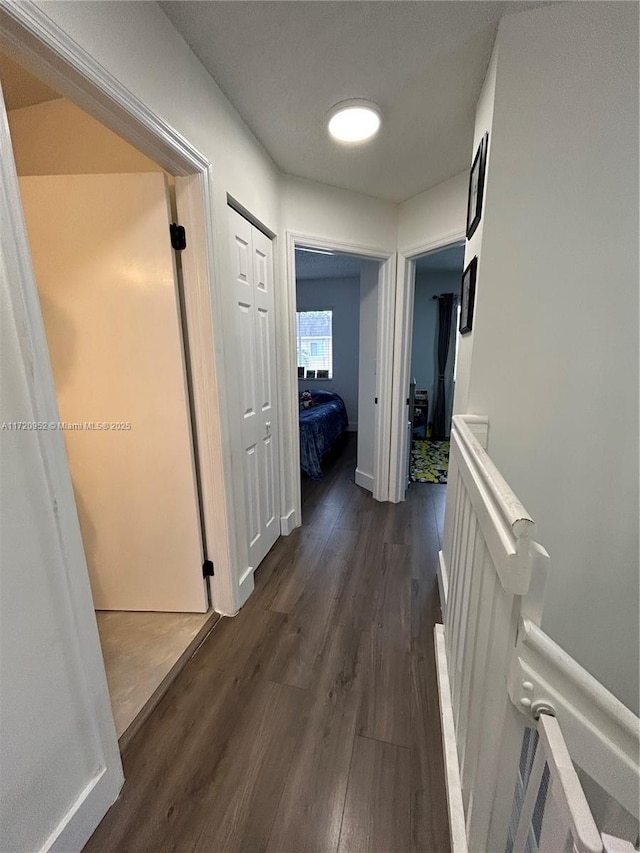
513	512
506	524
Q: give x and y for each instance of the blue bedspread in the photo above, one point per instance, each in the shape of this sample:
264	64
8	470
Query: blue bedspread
319	428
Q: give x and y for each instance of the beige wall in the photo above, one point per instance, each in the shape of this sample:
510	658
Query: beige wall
58	138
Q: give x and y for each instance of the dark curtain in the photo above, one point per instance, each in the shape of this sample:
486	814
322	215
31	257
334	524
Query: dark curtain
445	314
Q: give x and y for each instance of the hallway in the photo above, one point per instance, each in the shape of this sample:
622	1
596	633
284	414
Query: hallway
309	722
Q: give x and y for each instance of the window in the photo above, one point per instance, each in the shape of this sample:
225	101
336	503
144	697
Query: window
315	340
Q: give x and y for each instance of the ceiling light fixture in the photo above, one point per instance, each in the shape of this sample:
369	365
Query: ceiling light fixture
355	120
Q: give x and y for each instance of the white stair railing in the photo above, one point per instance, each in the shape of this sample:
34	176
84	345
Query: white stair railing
499	674
565	819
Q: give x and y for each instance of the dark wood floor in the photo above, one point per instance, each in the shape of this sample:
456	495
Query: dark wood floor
310	721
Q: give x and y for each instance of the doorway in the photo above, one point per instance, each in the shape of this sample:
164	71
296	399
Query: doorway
436	308
97	213
336	335
366	318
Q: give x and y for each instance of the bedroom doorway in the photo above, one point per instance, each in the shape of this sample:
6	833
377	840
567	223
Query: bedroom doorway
434	346
336	342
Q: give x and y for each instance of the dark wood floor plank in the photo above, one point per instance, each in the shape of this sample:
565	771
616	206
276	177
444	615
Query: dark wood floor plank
377	809
429	818
299	567
398	523
332	657
320	516
358	598
385	708
246	642
425	542
295	659
439	493
310	812
240	799
358	501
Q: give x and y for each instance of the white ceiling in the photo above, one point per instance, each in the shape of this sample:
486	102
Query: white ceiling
284	64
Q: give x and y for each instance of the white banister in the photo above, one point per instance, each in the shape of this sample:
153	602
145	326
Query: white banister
493	658
506	525
603	735
506	502
486	564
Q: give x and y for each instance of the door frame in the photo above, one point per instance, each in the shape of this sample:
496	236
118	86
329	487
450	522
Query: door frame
41	46
66	564
290	455
403	340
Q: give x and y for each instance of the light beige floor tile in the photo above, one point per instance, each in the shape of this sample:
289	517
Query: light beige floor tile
139	649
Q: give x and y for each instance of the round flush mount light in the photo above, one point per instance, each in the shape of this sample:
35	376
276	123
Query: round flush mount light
354	121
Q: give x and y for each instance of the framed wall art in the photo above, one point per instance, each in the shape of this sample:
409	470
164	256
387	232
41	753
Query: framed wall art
468	296
476	186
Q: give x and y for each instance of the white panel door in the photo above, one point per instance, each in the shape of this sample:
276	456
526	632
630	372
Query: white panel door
106	278
59	759
252	254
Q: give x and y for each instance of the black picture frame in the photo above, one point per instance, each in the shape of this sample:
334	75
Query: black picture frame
468	296
476	186
311	374
300	372
322	374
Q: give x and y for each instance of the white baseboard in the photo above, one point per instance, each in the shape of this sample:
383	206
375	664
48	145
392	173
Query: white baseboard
352	427
443	583
364	480
457	823
245	586
288	522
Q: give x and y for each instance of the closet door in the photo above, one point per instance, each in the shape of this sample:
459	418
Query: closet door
252	254
107	284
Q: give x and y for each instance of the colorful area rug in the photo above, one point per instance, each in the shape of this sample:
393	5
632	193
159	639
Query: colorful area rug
429	461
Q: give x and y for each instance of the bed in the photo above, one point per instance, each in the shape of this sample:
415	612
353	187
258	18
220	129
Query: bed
320	426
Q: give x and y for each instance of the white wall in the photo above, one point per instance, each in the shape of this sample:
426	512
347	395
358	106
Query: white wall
484	119
368	385
555	341
342	296
434	217
317	210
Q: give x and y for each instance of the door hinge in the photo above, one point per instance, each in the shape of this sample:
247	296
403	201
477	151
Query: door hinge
376	401
408	401
178	237
207	569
